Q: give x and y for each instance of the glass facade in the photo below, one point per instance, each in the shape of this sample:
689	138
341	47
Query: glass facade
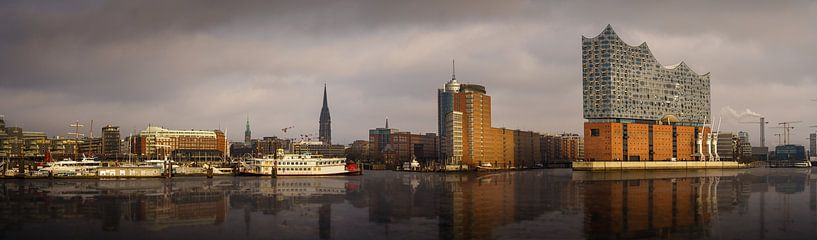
621	81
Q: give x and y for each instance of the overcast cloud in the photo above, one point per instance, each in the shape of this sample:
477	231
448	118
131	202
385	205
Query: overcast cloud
207	64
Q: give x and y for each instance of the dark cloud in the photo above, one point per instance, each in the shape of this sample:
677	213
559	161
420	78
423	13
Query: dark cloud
206	64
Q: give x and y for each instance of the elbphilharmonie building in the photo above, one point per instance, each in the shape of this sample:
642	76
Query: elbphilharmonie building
638	109
626	83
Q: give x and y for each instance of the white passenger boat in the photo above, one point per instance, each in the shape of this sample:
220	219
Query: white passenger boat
67	167
298	165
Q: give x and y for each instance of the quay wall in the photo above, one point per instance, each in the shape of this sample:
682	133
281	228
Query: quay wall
654	165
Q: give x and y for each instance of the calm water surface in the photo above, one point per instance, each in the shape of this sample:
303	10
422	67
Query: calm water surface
534	204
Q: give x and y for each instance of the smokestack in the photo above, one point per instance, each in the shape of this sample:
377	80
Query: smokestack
762	131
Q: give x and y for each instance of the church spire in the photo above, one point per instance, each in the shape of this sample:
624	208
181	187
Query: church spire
247	132
325	123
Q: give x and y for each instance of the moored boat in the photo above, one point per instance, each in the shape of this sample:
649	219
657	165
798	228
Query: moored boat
299	165
71	168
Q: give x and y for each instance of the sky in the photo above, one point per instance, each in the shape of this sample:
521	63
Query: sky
185	64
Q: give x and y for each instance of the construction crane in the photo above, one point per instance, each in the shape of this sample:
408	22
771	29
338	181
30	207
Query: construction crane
787	130
762	121
778	137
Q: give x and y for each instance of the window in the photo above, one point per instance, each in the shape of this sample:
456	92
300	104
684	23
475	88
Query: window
594	132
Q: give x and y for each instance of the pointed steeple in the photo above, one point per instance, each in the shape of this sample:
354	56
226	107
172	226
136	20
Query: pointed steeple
325	105
325	123
247	132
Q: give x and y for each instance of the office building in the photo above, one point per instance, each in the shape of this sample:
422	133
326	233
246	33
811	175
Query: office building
90	146
358	151
19	144
464	123
194	145
269	145
111	142
812	146
638	109
562	149
319	148
392	147
789	152
744	147
727	146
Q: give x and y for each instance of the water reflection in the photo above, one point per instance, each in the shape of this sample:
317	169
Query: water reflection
555	204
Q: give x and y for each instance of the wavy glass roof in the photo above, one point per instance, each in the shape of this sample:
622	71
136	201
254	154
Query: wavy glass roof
626	82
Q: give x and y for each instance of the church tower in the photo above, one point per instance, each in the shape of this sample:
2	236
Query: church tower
325	130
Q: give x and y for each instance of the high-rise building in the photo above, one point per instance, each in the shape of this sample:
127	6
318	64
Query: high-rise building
110	142
247	132
464	123
325	128
638	109
812	146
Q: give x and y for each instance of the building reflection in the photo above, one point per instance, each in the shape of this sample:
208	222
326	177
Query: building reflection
650	208
470	205
525	204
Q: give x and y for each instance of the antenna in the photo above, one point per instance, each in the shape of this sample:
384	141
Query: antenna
453	70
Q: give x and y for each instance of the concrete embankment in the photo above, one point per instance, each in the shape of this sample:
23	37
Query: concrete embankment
655	165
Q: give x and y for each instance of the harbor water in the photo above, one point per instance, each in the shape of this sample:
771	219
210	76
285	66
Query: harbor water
531	204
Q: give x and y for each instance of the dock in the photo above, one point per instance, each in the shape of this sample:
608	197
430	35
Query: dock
656	165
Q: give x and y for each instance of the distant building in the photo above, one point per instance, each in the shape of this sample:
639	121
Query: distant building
358	151
727	146
325	123
391	147
760	153
812	147
185	145
319	148
744	151
514	148
110	142
269	145
64	148
16	143
637	109
562	148
91	147
789	152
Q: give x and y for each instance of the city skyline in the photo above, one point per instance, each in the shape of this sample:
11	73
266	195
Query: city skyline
207	67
